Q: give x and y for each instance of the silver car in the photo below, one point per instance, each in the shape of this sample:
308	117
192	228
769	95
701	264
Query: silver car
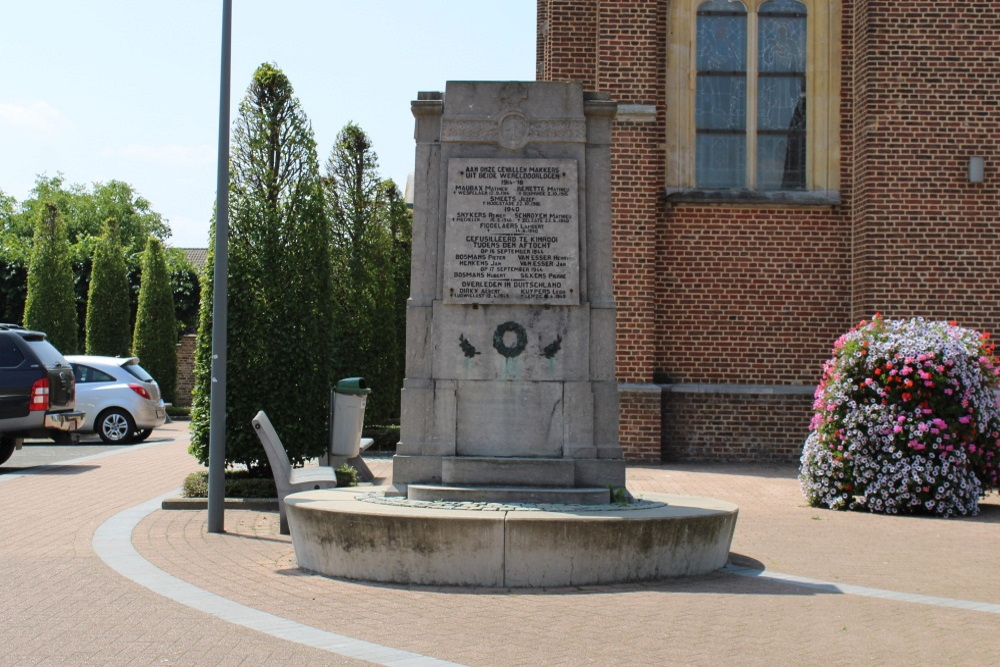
122	401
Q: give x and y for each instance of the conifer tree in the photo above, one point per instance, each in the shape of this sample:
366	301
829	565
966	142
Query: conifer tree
155	338
108	317
371	261
280	300
50	305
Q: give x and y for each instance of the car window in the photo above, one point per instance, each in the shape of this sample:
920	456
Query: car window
88	374
10	355
46	353
138	371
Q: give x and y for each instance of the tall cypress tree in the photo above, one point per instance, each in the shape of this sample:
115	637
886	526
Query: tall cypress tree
370	227
108	327
50	305
280	299
155	337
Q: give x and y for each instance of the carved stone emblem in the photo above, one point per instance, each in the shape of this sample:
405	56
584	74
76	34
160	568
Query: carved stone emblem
514	131
520	339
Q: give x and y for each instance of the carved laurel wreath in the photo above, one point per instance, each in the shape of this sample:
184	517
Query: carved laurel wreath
515	349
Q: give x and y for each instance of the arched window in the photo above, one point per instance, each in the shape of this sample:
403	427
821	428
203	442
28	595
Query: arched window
753	95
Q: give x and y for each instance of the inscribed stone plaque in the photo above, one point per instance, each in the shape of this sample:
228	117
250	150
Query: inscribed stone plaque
512	232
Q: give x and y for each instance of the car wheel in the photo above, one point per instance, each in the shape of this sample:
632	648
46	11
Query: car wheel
7	447
141	434
115	426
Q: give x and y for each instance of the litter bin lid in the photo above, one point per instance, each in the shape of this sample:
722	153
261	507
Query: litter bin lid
353	386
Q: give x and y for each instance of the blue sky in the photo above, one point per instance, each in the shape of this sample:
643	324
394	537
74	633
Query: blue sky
129	89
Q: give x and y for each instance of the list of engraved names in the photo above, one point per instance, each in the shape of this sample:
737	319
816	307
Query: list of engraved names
512	232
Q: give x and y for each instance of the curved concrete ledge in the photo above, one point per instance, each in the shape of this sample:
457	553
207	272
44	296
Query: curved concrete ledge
338	535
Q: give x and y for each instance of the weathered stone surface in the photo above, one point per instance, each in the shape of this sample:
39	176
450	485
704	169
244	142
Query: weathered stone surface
685	537
509	419
338	536
507	471
336	533
600	472
510	494
511	343
507	354
512	232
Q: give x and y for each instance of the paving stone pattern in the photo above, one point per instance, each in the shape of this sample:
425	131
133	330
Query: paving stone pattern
62	605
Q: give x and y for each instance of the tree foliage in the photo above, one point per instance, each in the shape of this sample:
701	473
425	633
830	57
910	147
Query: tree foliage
155	338
83	212
108	330
279	305
50	305
371	260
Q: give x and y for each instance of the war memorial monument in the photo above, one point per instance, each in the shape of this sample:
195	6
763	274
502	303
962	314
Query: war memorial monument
508	471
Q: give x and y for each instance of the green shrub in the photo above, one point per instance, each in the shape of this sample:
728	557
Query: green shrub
347	475
108	329
155	338
279	284
51	304
239	484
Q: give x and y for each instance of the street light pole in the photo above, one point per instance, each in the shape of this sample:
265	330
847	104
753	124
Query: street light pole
217	418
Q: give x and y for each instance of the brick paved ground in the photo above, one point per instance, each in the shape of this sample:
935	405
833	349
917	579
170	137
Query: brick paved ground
62	605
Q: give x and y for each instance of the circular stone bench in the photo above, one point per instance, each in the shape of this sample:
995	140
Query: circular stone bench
356	534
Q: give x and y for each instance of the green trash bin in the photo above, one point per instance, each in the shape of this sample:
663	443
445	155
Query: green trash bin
348	418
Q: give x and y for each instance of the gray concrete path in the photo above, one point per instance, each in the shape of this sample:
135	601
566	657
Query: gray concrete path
838	588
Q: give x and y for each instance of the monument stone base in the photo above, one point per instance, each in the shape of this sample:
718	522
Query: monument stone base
342	533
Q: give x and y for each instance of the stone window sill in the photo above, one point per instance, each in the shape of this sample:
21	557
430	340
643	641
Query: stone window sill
769	197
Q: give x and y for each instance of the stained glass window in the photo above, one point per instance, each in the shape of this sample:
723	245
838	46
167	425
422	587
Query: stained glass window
781	95
729	81
720	102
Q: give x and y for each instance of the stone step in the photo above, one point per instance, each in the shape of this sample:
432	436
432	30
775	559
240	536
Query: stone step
510	494
507	471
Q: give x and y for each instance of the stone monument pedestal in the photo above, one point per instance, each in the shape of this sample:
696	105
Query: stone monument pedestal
509	458
510	370
342	533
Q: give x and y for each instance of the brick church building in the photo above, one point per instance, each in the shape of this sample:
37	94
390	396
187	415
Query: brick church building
781	170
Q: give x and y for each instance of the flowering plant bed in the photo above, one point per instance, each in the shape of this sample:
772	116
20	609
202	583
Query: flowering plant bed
906	420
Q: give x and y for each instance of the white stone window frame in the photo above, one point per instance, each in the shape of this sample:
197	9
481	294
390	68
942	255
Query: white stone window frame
823	54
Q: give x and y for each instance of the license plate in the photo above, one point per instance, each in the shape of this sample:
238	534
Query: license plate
159	413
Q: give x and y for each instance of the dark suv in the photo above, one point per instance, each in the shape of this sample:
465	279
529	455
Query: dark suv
37	389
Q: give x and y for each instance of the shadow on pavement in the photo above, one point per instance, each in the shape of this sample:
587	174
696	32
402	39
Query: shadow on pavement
53	469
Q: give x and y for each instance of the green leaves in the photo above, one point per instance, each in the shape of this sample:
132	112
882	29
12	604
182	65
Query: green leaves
107	325
155	338
279	314
82	213
50	305
371	271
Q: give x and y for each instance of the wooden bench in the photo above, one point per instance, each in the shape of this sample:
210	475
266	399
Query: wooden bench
286	478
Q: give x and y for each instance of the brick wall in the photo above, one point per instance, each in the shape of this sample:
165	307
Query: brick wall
755	295
567	41
618	48
185	370
640	414
928	97
734	427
